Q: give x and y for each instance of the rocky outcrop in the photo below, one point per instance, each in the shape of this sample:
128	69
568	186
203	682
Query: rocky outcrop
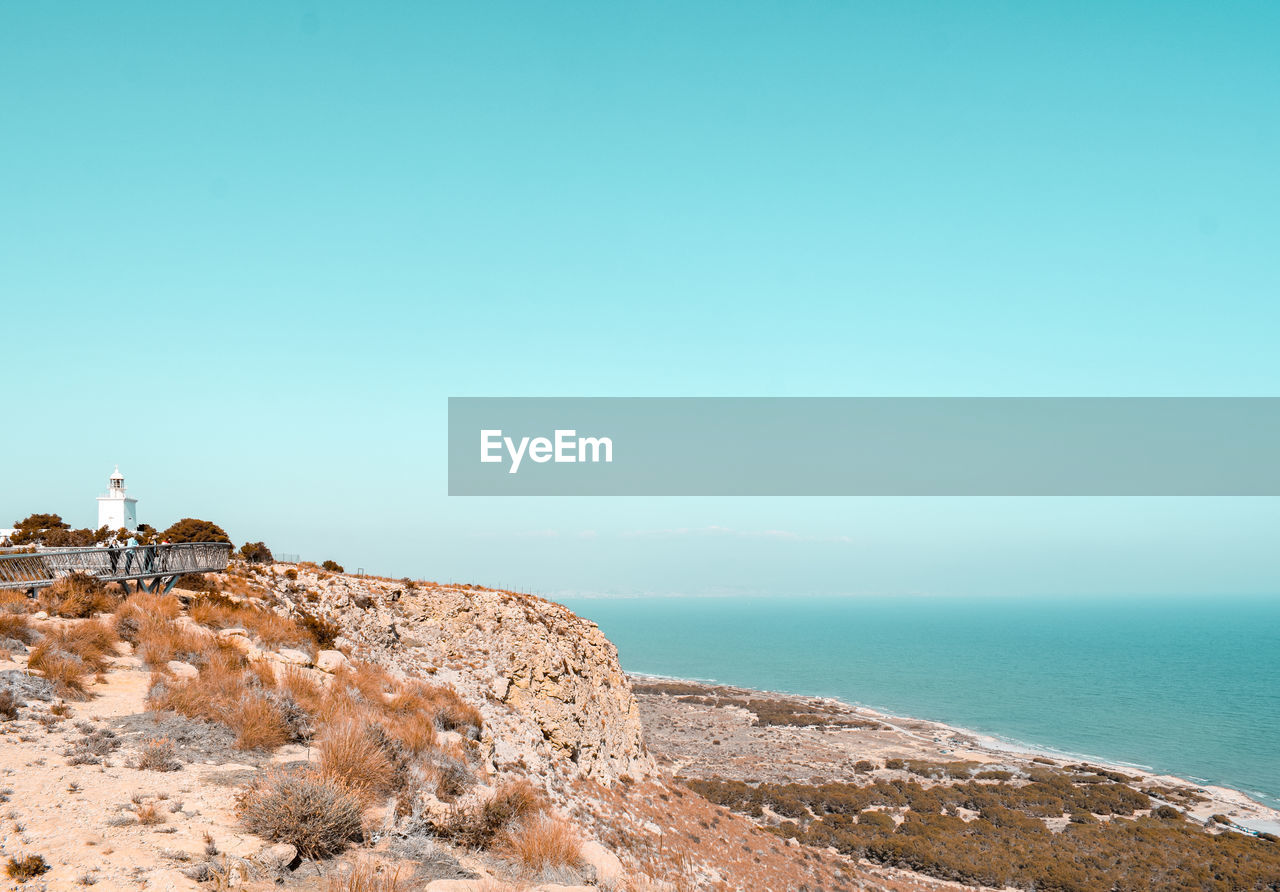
548	682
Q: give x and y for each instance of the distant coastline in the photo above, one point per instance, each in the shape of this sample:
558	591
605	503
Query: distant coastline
942	741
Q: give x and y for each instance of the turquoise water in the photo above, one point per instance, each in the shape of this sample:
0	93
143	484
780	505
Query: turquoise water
1190	688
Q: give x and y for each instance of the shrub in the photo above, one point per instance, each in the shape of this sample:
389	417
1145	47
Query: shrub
321	630
291	574
157	755
317	814
25	867
332	567
512	801
256	553
196	582
191	529
541	843
8	706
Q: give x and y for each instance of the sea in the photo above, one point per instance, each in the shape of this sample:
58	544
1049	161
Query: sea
1181	686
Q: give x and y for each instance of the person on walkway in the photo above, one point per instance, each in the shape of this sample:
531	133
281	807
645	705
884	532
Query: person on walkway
131	550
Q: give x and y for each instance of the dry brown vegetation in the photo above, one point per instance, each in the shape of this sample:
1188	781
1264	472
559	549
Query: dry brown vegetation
218	611
317	814
148	813
1003	839
157	754
513	801
78	596
25	867
542	842
65	655
17	626
226	691
360	755
367	875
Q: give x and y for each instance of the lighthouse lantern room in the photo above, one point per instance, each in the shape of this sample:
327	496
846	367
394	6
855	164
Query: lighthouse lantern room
115	509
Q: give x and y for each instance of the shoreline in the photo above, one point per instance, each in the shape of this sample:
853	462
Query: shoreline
942	742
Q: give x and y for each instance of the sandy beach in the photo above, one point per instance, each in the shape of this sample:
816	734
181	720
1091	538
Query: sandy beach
706	730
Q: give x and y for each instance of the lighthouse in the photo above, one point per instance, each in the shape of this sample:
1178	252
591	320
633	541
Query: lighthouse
115	509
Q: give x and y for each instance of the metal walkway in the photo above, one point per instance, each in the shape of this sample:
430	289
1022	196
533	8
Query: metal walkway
153	567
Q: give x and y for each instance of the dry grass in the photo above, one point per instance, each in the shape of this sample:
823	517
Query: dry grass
18	626
149	813
415	733
157	754
78	596
259	723
542	843
367	875
357	754
25	867
14	601
272	629
514	802
440	704
92	641
66	671
317	814
140	608
160	640
302	687
66	655
226	692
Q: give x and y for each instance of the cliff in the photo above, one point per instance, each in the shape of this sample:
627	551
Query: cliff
549	684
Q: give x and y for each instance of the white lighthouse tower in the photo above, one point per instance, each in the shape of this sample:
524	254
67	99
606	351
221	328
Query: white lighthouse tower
115	509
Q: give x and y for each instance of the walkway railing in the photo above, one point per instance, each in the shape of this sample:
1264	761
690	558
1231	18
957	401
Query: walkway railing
114	564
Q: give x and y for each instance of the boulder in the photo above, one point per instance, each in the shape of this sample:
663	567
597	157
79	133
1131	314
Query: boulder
293	657
607	865
278	857
331	660
179	669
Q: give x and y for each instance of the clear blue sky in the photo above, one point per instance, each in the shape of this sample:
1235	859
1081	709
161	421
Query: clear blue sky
248	250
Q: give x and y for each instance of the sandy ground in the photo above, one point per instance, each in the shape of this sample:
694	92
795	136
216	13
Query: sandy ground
81	818
701	740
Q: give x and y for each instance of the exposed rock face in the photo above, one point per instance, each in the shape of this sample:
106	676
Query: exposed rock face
548	682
